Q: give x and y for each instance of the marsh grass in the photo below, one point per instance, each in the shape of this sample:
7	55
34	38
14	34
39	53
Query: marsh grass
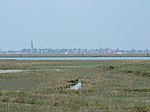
116	86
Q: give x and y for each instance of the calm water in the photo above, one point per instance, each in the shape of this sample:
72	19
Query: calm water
80	58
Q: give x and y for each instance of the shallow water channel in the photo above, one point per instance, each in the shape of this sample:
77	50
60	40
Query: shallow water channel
11	71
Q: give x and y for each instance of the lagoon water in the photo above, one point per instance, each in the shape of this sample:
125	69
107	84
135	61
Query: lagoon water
78	58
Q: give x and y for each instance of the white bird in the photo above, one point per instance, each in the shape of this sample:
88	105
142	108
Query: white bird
76	87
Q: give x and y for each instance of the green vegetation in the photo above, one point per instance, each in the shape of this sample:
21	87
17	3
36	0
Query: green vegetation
115	86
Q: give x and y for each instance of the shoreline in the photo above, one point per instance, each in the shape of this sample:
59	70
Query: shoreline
71	55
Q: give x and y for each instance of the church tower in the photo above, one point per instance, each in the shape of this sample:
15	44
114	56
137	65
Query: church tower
31	45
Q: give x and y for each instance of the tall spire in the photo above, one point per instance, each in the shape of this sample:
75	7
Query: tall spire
132	48
31	45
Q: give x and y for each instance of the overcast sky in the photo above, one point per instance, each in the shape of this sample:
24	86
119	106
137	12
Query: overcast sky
75	24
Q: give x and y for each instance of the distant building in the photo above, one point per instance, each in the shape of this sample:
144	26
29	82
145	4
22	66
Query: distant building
31	45
132	49
119	53
1	50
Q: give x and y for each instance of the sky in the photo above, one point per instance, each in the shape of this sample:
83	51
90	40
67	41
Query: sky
75	24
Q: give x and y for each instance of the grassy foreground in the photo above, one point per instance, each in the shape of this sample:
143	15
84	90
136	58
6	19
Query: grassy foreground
107	86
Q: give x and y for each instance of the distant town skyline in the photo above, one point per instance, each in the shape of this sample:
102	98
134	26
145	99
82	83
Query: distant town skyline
31	46
69	24
101	50
74	51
